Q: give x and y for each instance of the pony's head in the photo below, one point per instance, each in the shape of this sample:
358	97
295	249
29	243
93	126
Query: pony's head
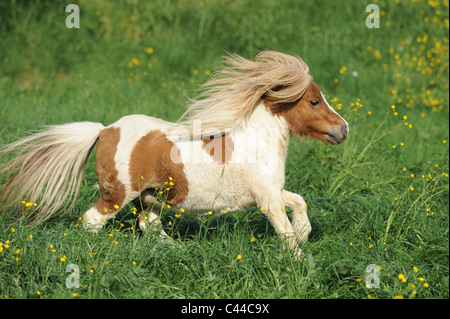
311	115
283	81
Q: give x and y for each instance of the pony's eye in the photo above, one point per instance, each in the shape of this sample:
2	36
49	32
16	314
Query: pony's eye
314	102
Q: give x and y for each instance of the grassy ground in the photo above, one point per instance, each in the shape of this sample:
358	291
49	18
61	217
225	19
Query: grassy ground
379	198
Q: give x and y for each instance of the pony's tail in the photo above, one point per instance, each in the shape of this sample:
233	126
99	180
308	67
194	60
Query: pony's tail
48	168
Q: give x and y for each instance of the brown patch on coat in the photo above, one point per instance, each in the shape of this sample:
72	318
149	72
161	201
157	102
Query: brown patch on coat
151	166
112	190
219	148
305	119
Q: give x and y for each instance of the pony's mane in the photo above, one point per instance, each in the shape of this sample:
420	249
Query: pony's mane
228	98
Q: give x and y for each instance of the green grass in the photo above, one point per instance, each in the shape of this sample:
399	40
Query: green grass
365	205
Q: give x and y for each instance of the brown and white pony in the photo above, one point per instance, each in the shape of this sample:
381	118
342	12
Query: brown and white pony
227	152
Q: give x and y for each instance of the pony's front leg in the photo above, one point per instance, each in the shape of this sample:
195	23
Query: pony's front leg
276	213
300	221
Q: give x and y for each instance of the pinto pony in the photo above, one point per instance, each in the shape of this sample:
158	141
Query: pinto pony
226	153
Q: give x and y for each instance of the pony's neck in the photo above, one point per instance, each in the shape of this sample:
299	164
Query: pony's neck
262	119
265	138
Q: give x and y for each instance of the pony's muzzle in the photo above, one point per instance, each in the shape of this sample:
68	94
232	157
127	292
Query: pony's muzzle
337	134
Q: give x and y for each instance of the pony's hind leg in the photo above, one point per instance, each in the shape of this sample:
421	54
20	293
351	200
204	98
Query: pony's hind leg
147	205
114	195
93	220
97	216
151	221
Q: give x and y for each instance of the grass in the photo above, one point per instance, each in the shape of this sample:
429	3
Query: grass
379	198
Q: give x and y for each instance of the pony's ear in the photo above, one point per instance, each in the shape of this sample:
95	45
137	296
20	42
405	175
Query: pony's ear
276	107
268	96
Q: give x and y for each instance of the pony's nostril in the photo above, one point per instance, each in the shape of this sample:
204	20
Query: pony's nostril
344	130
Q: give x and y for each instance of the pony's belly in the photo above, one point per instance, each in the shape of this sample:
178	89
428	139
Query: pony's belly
214	188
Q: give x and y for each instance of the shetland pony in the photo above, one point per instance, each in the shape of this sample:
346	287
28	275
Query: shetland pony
226	153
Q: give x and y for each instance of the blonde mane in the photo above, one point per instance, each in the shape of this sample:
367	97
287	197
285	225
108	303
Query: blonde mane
228	98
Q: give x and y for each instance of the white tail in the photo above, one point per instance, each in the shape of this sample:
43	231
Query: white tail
48	168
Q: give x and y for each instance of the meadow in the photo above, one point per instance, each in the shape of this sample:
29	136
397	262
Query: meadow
381	198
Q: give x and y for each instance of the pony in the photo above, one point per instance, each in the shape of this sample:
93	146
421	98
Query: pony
225	154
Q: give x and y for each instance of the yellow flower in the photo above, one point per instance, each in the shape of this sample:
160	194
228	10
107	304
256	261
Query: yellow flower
402	278
195	72
252	238
74	294
182	210
134	61
210	213
425	285
13	230
239	257
399	297
38	292
359	279
116	206
18	251
415	269
134	263
63	258
149	50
